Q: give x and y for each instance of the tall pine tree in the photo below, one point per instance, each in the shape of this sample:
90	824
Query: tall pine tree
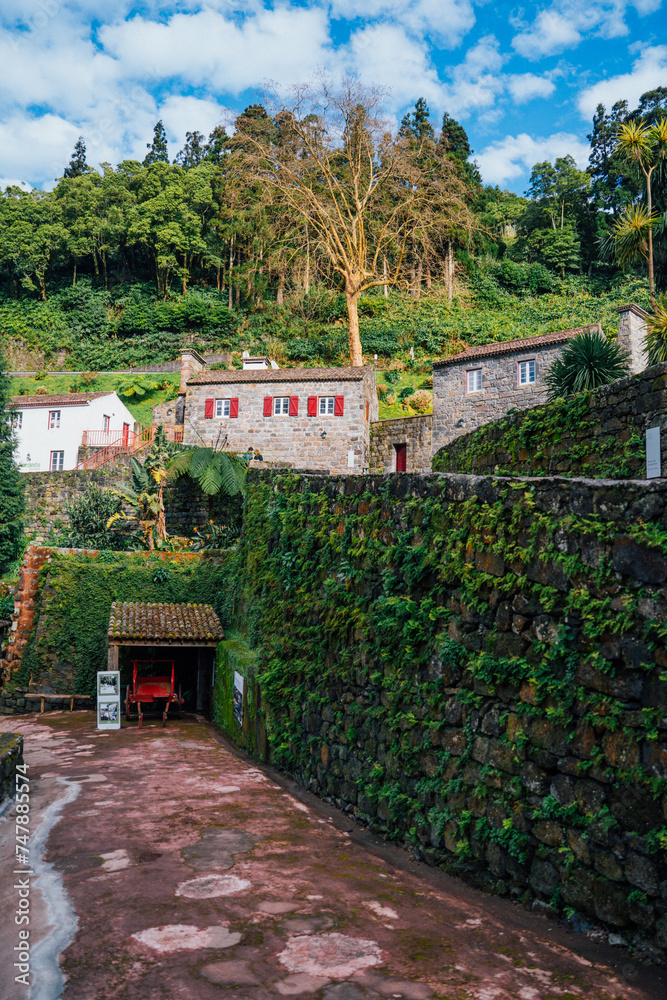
12	499
157	149
77	165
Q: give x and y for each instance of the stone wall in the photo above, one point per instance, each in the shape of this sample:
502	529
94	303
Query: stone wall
599	434
11	754
476	667
48	493
317	442
414	432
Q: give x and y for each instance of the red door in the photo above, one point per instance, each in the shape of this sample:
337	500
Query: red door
401	456
126	434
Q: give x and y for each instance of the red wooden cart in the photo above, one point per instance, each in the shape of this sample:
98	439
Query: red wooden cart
151	689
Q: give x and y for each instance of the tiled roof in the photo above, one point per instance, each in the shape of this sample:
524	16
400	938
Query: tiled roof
282	375
58	399
174	623
528	343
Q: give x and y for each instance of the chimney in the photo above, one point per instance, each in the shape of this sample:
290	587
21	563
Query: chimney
632	335
191	364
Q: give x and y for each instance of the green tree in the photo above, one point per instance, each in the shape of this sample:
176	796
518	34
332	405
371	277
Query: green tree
559	190
157	149
12	498
215	470
77	165
193	151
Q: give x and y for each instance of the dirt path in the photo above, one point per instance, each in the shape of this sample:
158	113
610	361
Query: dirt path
172	868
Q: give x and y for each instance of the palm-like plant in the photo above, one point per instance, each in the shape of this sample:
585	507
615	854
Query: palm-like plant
588	361
144	496
656	333
215	470
646	145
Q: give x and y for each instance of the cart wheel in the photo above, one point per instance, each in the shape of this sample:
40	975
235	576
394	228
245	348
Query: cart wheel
141	714
127	710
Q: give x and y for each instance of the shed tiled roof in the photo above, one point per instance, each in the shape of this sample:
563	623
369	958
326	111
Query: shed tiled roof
282	375
175	623
527	344
58	399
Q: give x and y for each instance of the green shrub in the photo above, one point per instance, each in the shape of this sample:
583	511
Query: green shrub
588	361
88	517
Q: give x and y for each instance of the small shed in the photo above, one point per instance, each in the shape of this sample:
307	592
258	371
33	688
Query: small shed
185	633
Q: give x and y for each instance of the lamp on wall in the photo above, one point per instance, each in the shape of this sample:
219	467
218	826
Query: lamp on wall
323	435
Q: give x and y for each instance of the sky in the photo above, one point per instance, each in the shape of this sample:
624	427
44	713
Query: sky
524	80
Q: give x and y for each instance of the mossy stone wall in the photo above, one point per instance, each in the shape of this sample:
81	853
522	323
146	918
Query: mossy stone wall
234	655
11	755
476	667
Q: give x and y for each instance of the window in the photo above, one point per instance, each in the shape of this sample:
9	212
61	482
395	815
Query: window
526	372
17	421
222	407
280	405
474	380
57	461
107	421
327	405
54	419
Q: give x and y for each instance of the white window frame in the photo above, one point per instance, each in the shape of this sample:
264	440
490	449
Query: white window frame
223	407
281	406
54	420
56	464
525	367
477	382
106	422
326	406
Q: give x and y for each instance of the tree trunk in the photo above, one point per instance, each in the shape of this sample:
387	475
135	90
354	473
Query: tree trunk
280	295
385	287
217	278
74	274
306	280
356	356
185	274
42	287
231	265
651	276
96	265
428	278
238	280
418	281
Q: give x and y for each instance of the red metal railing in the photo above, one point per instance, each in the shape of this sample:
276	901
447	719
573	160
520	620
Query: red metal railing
110	444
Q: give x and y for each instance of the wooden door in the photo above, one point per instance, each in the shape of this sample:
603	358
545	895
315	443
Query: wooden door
401	457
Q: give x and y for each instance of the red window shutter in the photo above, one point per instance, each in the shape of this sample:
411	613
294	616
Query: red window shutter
209	406
338	406
268	406
233	407
312	406
294	406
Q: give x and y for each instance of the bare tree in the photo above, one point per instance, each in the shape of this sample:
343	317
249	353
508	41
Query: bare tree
367	200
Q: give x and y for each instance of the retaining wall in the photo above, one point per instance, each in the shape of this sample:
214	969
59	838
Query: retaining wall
476	666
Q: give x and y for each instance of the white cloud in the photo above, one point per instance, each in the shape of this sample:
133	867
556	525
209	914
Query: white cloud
648	72
515	155
527	86
446	21
36	147
188	114
284	44
564	24
383	54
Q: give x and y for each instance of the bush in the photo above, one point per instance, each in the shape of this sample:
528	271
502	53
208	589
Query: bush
406	391
392	376
421	401
377	342
88	517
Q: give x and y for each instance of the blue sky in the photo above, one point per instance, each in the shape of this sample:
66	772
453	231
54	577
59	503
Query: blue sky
523	80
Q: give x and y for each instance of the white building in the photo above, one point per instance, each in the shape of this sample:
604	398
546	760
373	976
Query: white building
50	429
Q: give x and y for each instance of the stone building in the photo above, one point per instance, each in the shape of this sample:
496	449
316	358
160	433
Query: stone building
317	418
403	444
481	384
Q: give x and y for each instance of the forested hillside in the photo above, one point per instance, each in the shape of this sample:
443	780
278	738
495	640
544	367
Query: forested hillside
120	267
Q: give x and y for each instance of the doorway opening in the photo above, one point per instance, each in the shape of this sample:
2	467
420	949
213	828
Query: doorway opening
401	457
